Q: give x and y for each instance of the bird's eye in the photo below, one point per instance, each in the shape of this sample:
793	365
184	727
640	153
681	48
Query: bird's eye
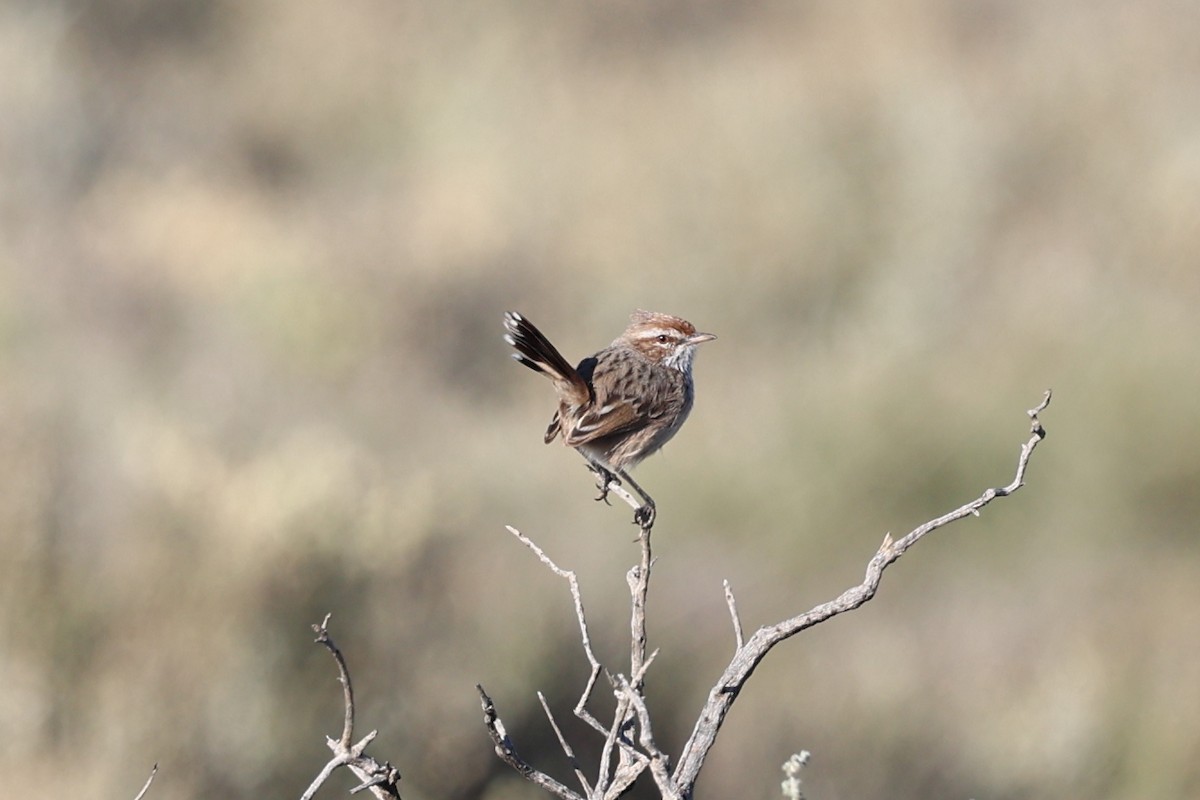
662	338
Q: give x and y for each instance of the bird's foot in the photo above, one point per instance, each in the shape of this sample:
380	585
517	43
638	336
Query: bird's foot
604	479
645	515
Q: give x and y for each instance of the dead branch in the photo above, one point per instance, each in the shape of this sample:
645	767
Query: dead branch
660	762
748	656
611	781
508	751
146	785
733	614
566	746
629	739
381	778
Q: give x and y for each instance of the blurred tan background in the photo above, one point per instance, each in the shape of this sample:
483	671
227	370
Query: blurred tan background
253	261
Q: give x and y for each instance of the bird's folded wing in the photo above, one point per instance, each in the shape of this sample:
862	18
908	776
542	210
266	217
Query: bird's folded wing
615	415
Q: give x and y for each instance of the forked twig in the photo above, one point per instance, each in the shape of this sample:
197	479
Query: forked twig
580	617
381	778
508	751
610	779
659	761
630	738
749	655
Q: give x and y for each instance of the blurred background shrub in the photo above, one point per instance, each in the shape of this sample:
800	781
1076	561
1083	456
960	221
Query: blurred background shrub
253	261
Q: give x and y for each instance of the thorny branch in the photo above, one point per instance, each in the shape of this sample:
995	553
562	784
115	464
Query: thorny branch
630	734
382	779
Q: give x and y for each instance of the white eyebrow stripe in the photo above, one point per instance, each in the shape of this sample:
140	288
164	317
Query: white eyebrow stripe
654	333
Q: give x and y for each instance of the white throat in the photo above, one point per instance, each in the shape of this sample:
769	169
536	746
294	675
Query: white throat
681	359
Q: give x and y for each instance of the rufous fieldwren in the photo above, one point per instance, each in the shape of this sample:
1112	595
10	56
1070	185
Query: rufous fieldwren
623	403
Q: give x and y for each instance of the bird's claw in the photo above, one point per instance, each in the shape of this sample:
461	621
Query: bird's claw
645	515
604	479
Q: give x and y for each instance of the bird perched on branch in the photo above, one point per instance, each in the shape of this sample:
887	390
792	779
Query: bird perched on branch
625	402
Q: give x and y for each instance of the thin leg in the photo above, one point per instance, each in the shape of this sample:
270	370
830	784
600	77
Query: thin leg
606	481
611	481
644	515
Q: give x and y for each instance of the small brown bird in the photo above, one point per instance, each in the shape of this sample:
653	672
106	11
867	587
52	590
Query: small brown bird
623	403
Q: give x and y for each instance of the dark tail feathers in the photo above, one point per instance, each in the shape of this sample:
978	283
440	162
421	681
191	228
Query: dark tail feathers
535	351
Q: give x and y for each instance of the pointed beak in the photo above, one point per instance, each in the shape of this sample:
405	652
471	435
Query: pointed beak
697	338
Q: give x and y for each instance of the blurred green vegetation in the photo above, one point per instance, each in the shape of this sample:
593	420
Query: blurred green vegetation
253	262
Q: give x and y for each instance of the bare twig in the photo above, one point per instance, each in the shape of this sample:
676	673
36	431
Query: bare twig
623	493
324	640
381	778
733	614
630	738
639	587
610	781
630	762
580	709
660	762
322	776
146	785
569	576
566	746
625	775
748	656
508	751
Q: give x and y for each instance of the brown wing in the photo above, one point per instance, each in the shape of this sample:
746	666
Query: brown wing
628	396
615	416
